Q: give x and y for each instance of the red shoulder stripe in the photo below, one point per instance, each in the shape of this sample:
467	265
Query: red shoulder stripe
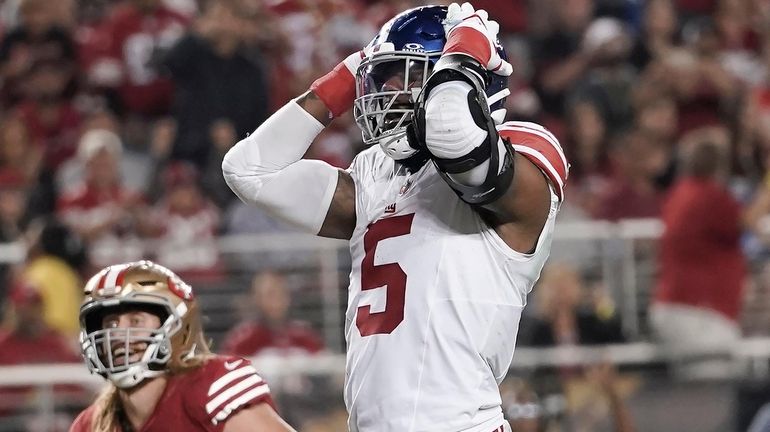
541	148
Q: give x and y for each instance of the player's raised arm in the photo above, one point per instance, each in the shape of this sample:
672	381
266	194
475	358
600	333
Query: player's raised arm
459	126
266	168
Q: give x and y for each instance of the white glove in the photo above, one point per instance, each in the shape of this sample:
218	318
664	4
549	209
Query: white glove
353	61
470	32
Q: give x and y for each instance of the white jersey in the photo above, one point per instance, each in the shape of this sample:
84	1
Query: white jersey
434	303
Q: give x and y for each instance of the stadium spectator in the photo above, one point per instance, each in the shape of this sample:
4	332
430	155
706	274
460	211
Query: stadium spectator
529	411
587	147
145	337
109	217
49	113
221	87
658	119
37	38
703	224
26	339
18	154
659	33
13	202
564	315
138	161
271	331
185	224
570	313
609	79
639	160
560	58
128	47
703	88
55	256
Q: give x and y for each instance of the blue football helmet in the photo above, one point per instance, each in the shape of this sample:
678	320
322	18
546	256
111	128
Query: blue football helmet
389	81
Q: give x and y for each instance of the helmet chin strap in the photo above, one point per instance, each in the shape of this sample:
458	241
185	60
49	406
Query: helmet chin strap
493	99
133	376
498	115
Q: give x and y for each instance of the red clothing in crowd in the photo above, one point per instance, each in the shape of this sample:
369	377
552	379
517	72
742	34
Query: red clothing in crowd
702	110
134	39
704	7
86	207
49	347
701	262
187	242
252	338
623	201
57	135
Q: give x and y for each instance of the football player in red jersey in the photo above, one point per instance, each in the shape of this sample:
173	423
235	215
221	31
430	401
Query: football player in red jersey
141	330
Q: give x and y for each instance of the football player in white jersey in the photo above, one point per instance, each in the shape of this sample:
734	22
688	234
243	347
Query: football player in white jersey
449	216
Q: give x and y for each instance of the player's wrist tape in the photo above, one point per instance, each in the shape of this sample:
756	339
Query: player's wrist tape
337	90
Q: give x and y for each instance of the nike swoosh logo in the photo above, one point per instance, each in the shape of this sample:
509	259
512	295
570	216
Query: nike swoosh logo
232	365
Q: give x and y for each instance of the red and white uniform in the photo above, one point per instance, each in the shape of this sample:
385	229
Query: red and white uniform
202	399
435	295
85	207
187	241
127	41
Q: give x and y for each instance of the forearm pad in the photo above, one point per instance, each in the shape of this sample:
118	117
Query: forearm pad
454	125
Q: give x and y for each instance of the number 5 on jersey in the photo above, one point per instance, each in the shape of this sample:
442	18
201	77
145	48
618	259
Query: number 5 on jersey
390	275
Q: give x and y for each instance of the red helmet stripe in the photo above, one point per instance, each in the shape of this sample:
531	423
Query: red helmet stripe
121	276
114	276
102	279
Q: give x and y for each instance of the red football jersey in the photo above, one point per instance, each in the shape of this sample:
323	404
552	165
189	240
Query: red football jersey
202	399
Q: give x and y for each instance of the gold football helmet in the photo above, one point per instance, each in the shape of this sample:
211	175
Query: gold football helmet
148	287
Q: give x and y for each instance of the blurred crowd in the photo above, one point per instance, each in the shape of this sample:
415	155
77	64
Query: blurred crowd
115	116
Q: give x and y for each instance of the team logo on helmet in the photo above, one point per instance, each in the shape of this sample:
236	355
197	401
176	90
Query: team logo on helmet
414	47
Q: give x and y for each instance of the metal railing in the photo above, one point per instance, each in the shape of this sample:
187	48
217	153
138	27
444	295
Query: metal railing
609	249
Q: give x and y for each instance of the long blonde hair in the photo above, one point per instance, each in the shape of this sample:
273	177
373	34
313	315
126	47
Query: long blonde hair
108	404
